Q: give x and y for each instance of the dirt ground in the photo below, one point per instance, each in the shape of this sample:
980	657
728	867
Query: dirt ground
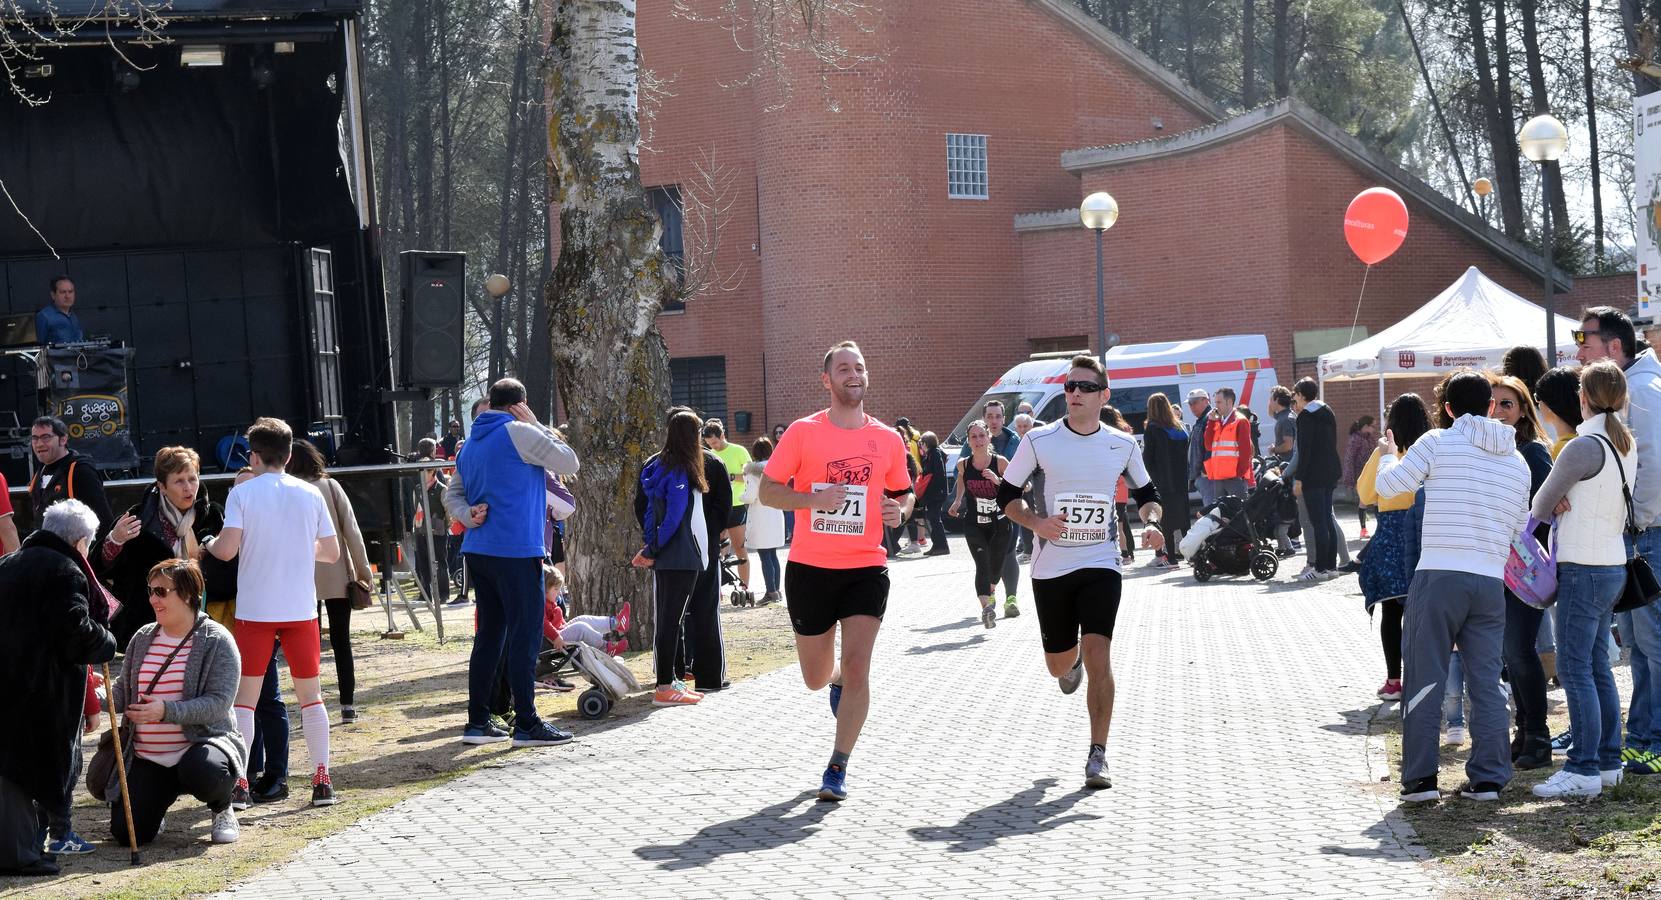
1533	849
411	701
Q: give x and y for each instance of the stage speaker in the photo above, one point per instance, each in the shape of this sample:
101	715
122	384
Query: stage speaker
435	303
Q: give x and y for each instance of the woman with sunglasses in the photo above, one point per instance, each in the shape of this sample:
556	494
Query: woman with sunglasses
979	473
177	682
1531	743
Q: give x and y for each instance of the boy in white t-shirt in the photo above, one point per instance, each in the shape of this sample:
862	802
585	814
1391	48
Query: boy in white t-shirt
279	525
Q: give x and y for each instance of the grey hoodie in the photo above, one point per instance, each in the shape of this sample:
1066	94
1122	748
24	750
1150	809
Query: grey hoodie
1476	493
1643	386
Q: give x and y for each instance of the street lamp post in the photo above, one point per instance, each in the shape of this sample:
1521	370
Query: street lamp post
497	286
1098	212
1543	140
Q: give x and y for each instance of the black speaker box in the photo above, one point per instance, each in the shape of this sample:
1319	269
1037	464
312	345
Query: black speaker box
435	303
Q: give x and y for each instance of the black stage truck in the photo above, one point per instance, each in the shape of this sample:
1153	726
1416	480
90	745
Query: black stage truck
211	195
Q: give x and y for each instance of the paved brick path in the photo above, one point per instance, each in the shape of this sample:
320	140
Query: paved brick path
1239	754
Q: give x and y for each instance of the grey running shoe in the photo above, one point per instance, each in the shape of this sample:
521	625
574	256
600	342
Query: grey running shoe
1070	681
1095	770
989	616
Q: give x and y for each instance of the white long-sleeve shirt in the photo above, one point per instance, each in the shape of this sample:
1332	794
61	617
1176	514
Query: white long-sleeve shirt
1476	493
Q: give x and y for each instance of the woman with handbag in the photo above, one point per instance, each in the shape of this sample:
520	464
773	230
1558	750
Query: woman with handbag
172	520
1531	741
179	736
1590	492
343	585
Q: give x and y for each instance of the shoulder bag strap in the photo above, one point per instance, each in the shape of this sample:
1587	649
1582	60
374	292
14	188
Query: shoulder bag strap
155	679
336	493
1631	516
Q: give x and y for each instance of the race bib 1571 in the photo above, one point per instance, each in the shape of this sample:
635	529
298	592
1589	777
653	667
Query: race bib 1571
1087	518
849	518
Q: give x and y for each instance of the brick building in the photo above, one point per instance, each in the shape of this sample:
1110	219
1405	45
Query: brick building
923	202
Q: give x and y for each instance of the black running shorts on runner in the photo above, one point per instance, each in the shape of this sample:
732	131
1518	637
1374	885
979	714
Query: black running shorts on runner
1085	601
738	516
818	598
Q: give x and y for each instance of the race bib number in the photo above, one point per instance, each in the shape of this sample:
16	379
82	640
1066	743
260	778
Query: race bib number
986	509
1087	518
849	518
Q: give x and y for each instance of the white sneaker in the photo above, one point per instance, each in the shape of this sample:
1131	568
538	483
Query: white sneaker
1330	574
1308	574
1612	777
1455	736
1568	784
225	827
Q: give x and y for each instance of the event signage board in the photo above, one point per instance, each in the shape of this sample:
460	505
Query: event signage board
1646	195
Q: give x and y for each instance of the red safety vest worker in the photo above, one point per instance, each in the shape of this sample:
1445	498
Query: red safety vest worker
1228	444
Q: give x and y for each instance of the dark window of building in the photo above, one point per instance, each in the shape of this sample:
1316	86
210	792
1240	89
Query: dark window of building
701	383
666	202
1069	344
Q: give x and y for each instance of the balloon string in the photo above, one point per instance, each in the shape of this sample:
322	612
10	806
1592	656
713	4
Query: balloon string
1356	320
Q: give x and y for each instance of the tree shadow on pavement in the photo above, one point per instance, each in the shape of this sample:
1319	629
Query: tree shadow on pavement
1025	813
948	646
765	829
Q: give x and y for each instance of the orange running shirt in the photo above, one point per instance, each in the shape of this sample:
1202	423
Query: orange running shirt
872	457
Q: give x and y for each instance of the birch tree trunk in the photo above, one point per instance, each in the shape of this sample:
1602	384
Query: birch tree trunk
604	296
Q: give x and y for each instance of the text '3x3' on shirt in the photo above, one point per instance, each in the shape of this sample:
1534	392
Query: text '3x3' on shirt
1076	475
869	459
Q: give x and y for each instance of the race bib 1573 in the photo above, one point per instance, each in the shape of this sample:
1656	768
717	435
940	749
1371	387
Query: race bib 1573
1088	518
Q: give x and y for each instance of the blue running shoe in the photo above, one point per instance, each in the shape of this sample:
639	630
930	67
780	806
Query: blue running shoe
835	697
834	785
72	844
482	734
540	735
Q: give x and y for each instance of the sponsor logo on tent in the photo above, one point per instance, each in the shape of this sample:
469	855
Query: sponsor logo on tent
1407	359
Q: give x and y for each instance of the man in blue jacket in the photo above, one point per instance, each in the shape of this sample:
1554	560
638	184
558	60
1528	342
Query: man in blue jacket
499	495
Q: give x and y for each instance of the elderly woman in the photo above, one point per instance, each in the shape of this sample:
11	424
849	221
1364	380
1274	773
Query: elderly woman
178	679
172	520
50	630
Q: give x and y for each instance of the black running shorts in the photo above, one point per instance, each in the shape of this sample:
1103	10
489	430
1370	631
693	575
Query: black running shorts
1085	601
739	516
818	598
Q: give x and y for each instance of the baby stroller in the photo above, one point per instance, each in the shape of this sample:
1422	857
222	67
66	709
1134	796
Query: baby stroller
1235	535
611	680
741	594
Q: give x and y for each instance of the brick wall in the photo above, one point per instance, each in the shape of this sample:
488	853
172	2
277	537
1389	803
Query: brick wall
841	190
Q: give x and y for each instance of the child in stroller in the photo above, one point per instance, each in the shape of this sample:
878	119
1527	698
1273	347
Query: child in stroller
603	633
1235	535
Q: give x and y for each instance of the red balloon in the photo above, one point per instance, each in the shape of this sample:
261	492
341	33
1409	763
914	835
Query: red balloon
1375	224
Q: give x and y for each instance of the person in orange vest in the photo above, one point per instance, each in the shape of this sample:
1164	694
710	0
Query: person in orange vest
1228	446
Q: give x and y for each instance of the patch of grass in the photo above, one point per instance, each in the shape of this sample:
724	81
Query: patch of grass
411	699
1526	847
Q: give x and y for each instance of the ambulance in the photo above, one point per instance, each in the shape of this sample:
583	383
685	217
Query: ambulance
1136	372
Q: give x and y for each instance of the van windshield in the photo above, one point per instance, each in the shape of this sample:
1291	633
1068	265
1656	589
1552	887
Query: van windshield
1012	402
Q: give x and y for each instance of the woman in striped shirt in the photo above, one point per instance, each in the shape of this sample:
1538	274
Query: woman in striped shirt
178	679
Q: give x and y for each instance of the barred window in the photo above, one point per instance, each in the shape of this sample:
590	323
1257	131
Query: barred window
966	166
666	201
701	383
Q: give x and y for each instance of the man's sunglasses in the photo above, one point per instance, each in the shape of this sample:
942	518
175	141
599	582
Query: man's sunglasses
1088	387
1581	336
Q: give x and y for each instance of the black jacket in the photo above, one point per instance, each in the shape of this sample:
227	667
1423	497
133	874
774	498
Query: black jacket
934	464
128	575
1319	465
47	639
1165	453
717	503
53	483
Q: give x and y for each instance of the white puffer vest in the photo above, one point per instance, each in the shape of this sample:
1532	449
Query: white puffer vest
1592	532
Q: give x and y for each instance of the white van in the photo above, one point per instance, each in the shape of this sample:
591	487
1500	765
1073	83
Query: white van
1135	372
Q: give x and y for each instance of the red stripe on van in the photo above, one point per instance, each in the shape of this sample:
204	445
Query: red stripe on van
1144	372
1226	365
1246	391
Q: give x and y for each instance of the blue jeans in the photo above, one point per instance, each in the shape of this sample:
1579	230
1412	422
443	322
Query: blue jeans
509	598
1453	697
1586	598
770	569
268	748
1323	527
1641	632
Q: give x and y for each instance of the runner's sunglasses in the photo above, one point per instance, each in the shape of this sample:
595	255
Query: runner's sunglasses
1088	387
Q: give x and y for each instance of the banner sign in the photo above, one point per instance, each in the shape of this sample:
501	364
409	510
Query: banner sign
1646	195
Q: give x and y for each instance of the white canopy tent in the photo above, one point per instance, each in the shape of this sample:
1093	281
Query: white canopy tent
1469	325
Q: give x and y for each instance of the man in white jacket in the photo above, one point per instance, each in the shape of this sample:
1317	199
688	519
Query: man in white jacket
1476	501
1606	333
